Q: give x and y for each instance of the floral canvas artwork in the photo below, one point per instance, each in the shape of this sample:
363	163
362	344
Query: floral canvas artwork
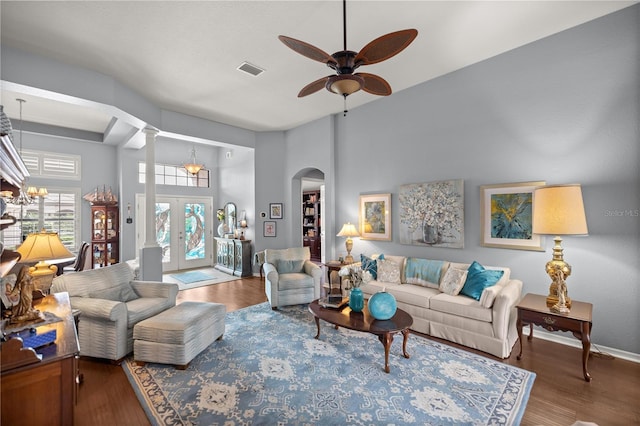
432	214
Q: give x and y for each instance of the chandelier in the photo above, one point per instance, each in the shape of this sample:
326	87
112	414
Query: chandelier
27	194
192	165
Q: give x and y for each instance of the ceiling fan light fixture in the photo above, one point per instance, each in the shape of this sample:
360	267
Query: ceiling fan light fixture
344	84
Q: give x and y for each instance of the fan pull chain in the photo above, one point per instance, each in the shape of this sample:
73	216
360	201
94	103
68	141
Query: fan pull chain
345	105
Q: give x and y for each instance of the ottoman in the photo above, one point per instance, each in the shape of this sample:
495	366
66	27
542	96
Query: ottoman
177	335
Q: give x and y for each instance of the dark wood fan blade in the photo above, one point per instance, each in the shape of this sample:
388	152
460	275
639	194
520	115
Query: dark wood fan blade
385	47
306	49
374	84
313	87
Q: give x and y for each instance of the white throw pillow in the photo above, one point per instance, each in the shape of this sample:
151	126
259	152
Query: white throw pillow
453	281
388	271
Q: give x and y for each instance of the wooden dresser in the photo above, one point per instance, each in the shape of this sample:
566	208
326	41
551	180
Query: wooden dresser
233	256
43	392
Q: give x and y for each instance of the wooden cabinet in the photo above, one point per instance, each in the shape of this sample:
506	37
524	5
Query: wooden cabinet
42	392
234	256
105	234
311	223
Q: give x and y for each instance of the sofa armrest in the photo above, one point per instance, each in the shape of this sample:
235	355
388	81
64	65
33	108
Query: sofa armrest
155	289
503	307
102	309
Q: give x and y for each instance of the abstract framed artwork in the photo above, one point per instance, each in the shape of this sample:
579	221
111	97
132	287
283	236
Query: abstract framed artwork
269	229
275	211
432	214
375	217
506	215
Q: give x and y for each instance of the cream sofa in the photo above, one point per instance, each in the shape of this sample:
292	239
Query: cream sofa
111	303
487	324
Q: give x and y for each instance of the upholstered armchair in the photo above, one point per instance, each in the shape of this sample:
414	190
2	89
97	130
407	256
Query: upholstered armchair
111	302
290	277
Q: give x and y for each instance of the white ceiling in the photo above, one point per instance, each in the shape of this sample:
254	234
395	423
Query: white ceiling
183	56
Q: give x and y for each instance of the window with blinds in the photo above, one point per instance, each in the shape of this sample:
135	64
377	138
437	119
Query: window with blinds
52	165
59	212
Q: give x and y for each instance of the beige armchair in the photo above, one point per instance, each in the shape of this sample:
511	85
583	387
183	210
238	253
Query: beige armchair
290	277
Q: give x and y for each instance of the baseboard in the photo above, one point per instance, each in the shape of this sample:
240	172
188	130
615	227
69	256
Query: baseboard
595	348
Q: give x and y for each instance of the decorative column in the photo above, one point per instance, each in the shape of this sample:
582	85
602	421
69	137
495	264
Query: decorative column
150	253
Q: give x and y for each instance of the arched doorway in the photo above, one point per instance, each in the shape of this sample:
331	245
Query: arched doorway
308	191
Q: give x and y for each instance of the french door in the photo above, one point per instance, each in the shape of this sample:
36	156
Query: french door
183	230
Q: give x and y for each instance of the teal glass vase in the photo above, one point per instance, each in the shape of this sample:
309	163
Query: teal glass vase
356	300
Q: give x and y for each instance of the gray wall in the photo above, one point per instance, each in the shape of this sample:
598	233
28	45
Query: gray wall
564	110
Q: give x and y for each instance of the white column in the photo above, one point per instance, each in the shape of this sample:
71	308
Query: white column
151	253
150	187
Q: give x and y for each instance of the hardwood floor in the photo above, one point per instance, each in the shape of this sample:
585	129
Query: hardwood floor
560	396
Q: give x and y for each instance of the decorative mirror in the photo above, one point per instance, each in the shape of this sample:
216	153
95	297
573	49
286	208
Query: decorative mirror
230	216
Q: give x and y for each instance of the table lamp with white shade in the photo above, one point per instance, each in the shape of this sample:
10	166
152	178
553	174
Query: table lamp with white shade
348	230
40	247
558	210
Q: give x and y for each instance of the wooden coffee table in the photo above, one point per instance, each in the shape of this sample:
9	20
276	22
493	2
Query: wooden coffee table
362	321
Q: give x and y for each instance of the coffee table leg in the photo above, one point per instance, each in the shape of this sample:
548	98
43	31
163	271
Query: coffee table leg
317	325
386	339
405	333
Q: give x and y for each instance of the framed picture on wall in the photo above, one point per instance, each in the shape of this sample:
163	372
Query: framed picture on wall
375	217
269	229
275	211
506	215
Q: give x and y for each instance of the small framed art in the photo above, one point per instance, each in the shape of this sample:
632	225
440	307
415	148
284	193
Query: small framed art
506	212
269	229
375	217
275	211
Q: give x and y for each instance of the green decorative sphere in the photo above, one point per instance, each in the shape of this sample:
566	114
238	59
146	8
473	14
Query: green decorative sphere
382	305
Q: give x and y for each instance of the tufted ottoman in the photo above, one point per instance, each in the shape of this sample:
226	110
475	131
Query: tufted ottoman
177	335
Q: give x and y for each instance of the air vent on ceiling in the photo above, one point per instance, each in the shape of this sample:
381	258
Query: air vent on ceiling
251	69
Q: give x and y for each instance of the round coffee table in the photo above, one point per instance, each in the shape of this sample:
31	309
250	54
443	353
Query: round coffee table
363	321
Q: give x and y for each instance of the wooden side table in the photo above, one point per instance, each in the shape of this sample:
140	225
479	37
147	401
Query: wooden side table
533	309
333	265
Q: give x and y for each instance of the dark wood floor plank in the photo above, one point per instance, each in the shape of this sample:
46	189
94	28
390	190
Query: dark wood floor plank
560	396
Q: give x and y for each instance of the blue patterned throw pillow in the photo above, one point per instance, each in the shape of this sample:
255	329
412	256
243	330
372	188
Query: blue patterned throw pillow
479	278
370	265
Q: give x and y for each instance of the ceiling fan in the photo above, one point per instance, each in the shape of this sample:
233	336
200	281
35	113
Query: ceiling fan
344	82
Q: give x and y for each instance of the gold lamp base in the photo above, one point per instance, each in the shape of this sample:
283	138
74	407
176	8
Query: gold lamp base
349	246
558	299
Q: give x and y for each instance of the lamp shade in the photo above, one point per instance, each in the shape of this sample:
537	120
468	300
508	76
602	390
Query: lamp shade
43	246
348	230
559	210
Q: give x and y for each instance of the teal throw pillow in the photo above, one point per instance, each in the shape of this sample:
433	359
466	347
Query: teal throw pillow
479	278
289	266
370	265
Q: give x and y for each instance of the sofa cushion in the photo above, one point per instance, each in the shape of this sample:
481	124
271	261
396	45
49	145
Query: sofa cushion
388	271
287	266
453	281
110	283
479	278
423	272
294	280
370	265
413	295
460	306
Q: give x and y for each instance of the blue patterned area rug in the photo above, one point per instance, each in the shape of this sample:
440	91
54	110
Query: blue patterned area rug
268	369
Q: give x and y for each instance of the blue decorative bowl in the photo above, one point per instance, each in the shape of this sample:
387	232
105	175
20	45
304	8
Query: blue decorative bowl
382	305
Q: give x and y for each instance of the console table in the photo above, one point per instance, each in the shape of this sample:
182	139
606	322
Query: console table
233	256
37	392
533	309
